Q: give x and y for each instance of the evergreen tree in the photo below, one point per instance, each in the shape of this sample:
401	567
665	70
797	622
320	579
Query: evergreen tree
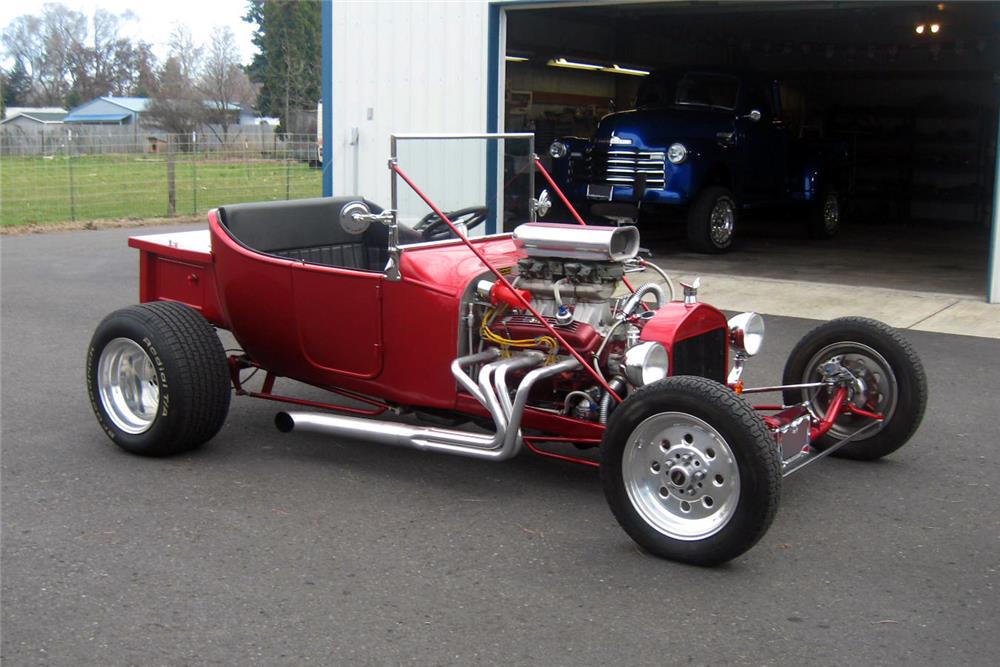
289	64
16	86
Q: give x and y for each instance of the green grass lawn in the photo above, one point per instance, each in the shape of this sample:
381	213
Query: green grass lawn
37	190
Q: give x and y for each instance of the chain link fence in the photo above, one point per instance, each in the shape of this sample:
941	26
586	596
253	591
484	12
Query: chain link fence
75	176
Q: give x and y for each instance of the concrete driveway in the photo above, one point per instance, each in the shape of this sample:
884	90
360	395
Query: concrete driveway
265	548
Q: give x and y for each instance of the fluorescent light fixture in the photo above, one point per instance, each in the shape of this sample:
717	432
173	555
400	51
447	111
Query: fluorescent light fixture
570	64
618	69
515	59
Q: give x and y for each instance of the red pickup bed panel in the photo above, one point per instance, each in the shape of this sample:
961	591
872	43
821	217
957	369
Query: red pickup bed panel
177	266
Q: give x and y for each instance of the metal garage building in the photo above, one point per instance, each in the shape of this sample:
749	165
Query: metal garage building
917	106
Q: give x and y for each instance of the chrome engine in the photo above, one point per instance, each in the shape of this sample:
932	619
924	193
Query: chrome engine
573	277
573	273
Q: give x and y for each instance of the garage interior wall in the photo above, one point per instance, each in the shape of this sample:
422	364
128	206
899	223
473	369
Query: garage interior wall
405	67
915	112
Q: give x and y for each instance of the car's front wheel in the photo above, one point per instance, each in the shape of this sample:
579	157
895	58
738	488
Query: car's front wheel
157	379
711	221
690	471
887	379
824	218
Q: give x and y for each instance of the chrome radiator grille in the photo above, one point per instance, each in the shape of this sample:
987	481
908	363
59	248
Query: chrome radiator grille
622	165
619	165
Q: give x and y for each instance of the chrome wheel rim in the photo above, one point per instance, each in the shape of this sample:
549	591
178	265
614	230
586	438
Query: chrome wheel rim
128	386
831	213
681	476
721	222
875	388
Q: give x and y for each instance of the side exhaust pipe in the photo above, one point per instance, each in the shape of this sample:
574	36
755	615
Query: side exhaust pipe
491	390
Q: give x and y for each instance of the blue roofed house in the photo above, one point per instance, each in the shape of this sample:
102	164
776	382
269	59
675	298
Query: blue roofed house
129	110
122	123
109	111
113	123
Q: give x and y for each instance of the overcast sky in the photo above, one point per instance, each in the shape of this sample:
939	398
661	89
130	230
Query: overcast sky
156	18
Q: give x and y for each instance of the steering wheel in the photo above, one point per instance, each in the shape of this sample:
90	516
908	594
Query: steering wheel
433	228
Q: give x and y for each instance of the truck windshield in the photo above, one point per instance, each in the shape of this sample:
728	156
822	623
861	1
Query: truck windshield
716	91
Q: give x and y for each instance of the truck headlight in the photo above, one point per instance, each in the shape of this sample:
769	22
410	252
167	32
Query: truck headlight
646	363
746	333
677	153
558	150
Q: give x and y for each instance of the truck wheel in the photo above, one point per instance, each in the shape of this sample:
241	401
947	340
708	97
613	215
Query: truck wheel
157	379
824	217
690	470
711	221
890	381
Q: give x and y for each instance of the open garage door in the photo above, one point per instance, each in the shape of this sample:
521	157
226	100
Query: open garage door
907	92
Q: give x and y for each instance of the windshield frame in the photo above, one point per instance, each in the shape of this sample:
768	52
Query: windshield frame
493	165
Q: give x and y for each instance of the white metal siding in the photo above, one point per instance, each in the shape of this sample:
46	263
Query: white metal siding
415	66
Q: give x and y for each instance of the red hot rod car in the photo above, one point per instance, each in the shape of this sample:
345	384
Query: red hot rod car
534	340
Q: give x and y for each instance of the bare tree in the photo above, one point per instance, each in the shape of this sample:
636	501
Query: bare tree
185	52
176	104
110	64
64	63
64	32
43	47
223	82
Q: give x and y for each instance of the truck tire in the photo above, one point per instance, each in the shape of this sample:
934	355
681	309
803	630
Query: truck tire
157	379
690	471
711	221
824	216
892	377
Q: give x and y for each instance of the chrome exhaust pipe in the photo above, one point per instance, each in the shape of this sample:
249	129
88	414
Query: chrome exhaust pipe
491	391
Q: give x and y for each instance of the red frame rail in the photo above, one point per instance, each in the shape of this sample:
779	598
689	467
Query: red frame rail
236	364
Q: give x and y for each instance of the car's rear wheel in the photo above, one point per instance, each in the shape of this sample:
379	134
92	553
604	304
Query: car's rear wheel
157	379
888	380
711	221
690	471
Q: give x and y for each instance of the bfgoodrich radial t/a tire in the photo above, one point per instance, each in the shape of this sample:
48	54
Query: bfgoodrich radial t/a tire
690	471
157	379
890	382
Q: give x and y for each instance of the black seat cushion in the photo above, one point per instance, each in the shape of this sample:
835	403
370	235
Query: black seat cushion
307	230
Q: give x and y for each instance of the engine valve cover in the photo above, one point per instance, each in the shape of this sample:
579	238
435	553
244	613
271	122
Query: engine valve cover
583	337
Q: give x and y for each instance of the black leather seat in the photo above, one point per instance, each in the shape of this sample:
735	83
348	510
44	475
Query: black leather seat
308	230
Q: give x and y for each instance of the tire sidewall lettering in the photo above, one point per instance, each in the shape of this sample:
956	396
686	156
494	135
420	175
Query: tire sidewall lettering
161	375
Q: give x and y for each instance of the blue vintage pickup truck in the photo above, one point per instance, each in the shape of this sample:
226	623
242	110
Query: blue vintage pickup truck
707	144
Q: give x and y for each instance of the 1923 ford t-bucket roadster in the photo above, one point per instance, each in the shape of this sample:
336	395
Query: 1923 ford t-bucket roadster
528	340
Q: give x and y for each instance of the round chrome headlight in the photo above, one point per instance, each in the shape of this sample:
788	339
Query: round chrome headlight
646	363
558	150
677	153
746	333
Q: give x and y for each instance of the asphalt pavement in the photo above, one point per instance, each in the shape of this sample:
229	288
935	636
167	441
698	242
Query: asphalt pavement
271	549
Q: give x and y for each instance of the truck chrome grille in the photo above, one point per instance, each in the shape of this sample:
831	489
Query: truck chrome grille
621	165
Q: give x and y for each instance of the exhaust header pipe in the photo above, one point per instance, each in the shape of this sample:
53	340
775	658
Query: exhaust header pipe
491	391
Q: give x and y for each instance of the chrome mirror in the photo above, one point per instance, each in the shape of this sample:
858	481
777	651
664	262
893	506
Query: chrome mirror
542	204
355	217
754	115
